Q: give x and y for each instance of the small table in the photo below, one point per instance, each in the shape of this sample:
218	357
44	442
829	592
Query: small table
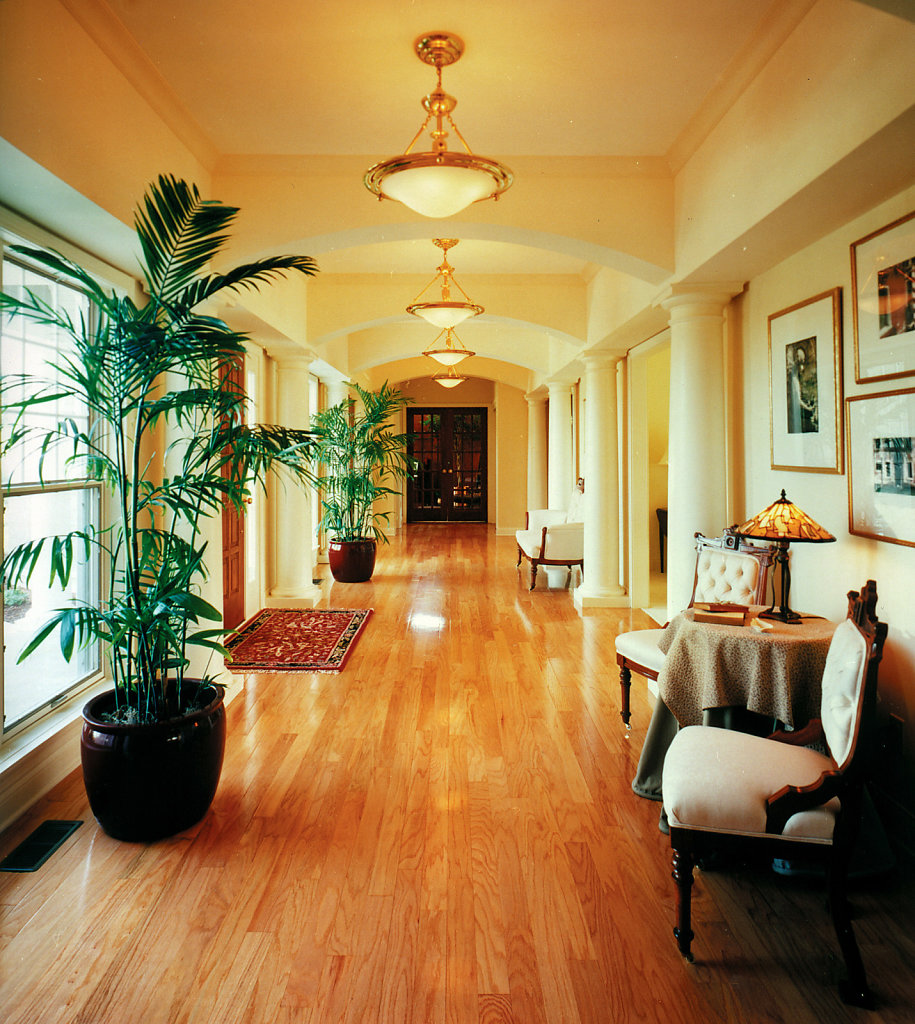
775	673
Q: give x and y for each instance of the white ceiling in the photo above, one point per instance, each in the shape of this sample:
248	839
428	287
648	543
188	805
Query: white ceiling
538	77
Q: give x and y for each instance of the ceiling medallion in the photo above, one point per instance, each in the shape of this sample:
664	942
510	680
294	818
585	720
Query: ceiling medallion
438	182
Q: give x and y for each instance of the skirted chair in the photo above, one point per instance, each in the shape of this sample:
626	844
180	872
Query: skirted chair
728	570
727	791
554	536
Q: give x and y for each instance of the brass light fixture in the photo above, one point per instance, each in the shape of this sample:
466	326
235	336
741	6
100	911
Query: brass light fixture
438	182
452	351
446	312
785	523
451	379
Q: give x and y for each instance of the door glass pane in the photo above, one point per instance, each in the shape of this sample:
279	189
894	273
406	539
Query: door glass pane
468	460
45	675
426	449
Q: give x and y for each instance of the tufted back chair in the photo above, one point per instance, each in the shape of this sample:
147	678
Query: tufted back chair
726	576
728	570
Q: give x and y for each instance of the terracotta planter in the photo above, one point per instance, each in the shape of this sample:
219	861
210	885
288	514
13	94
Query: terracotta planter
351	561
145	782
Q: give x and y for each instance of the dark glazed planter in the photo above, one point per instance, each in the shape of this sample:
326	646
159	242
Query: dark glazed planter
351	561
146	782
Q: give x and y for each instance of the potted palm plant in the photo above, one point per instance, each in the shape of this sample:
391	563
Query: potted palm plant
155	379
356	456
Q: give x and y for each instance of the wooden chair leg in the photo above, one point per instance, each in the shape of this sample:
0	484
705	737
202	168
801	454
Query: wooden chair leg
683	876
520	556
854	991
625	687
533	573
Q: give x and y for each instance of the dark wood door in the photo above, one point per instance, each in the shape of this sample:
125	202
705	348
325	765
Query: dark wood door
233	547
450	448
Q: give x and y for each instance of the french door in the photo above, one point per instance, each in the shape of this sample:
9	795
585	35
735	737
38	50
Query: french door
449	446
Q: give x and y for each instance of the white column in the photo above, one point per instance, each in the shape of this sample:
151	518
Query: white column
560	464
337	391
536	452
600	587
292	549
697	470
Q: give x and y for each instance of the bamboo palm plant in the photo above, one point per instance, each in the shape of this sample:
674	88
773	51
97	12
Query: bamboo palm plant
154	376
356	456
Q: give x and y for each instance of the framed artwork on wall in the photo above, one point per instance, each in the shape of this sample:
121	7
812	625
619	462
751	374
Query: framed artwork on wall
881	466
883	291
805	385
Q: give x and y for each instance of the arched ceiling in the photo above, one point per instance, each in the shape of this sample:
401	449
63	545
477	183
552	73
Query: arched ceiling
594	103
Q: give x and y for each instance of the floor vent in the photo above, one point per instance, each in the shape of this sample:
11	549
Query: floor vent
33	851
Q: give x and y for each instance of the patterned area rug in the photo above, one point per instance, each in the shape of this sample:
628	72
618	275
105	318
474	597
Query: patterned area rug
295	640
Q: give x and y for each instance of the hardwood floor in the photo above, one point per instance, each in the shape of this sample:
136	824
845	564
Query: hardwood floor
444	832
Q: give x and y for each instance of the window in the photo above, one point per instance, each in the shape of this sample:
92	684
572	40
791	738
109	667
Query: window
42	498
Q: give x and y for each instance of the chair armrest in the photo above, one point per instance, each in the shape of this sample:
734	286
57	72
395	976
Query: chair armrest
812	732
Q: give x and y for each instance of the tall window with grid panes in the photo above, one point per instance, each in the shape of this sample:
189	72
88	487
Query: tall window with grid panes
42	496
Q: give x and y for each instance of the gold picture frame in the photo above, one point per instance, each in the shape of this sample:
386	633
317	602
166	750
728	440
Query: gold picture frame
883	296
805	385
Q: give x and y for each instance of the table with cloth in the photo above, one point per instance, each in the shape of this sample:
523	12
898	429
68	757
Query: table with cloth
774	673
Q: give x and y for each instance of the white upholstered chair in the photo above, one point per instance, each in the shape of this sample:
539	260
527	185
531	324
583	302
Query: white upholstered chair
728	570
554	536
731	791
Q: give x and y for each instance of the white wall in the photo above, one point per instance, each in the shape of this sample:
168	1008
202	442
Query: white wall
823	573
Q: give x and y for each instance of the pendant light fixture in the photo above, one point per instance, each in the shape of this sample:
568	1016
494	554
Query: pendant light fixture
438	182
451	379
451	352
445	312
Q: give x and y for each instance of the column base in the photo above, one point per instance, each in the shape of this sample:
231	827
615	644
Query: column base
583	600
305	597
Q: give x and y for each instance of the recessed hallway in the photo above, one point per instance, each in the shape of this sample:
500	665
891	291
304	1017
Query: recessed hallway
445	832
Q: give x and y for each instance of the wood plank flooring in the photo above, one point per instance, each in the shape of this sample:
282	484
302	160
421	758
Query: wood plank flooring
444	833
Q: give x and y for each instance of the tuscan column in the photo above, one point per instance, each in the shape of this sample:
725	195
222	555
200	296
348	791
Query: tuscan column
293	556
697	470
560	463
600	587
337	391
536	452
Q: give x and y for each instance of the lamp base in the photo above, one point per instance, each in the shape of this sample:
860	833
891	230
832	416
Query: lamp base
781	615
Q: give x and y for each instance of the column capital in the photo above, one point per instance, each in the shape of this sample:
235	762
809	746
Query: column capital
559	388
686	300
293	360
599	358
535	399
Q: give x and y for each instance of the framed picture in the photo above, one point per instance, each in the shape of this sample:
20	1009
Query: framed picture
883	289
805	383
881	463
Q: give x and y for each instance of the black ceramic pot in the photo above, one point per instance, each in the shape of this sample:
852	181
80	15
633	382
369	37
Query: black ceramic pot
145	782
351	561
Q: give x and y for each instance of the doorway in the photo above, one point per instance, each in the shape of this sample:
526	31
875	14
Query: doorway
233	533
449	446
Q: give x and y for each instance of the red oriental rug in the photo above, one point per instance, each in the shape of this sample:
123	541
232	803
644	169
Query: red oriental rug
295	640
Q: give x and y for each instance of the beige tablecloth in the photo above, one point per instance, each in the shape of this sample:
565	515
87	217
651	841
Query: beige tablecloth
775	673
